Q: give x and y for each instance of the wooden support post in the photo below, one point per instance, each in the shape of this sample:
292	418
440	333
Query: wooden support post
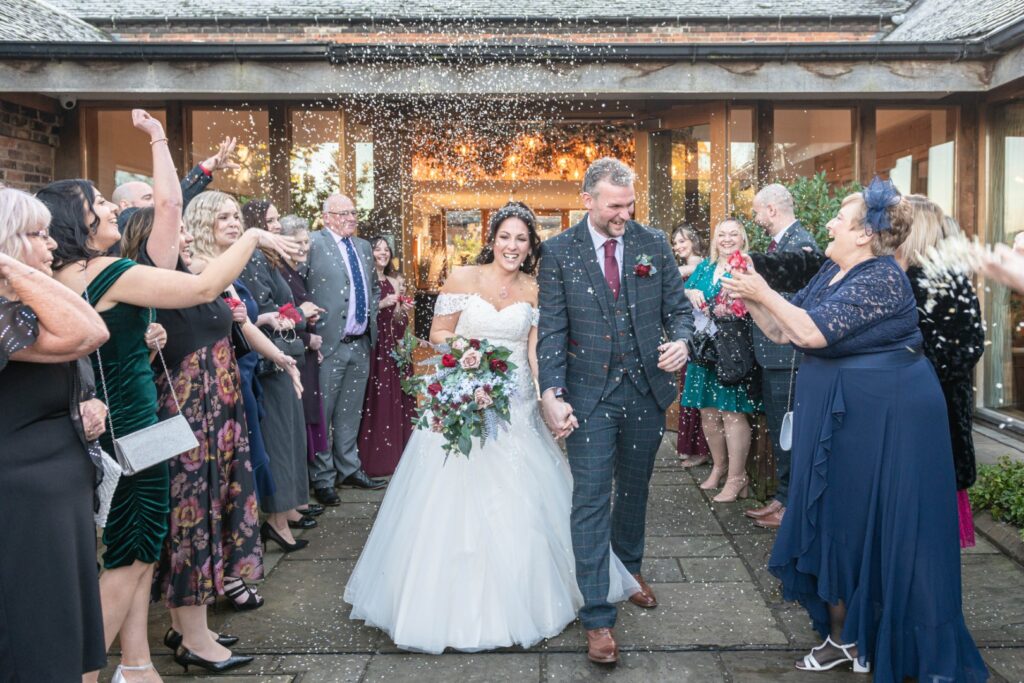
867	143
968	163
764	135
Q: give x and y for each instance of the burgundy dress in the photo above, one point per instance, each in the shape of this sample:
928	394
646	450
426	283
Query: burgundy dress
691	442
388	412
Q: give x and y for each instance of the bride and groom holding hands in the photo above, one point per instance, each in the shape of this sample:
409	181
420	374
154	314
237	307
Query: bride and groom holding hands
508	545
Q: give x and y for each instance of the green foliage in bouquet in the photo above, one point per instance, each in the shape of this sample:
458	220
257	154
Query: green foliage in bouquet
467	395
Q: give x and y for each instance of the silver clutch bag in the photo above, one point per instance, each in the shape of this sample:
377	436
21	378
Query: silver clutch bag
111	474
154	444
151	445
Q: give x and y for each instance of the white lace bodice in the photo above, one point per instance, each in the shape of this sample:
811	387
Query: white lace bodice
508	327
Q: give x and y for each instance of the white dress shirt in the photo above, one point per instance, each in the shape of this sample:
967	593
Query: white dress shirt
353	327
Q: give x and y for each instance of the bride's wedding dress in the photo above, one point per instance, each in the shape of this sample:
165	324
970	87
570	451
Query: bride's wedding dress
475	553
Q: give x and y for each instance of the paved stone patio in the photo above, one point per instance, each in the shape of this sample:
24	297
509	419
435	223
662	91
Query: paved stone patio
720	618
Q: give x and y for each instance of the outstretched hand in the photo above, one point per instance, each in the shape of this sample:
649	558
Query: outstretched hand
749	285
222	159
285	246
1004	265
147	124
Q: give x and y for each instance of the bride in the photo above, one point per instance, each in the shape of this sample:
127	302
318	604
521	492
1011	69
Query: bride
474	553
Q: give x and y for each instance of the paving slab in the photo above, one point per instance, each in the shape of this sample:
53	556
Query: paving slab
635	667
778	667
662	570
689	615
1008	663
323	668
992	615
335	539
679	510
464	668
688	546
714	569
304	613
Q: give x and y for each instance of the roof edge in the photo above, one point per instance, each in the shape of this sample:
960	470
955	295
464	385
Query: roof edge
484	52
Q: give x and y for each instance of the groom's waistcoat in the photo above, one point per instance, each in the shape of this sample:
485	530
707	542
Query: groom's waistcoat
625	360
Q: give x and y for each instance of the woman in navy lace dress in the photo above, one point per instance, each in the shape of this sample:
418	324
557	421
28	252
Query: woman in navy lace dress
869	541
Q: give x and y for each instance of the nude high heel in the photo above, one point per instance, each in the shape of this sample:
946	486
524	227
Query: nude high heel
735	487
714	479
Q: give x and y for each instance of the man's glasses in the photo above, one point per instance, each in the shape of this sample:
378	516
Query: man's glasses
351	213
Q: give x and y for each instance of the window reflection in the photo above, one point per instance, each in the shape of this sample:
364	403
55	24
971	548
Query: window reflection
810	141
118	153
915	149
251	128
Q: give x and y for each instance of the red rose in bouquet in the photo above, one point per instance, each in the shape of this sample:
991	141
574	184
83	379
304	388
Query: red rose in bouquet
737	263
434	389
499	365
475	344
449	361
290	312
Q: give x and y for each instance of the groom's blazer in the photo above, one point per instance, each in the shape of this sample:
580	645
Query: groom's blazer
574	343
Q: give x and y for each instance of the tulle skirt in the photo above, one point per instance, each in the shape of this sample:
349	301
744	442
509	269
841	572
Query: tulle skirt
474	553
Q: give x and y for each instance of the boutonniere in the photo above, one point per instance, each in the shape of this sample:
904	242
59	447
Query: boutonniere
644	267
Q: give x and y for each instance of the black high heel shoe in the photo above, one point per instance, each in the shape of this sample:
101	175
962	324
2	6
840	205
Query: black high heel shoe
187	658
243	597
269	533
172	639
312	510
302	523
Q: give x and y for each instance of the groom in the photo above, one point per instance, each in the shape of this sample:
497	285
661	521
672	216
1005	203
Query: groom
614	326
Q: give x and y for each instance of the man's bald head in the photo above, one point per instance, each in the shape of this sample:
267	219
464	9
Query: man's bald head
136	193
340	215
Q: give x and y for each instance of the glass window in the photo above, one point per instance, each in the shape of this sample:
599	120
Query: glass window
314	159
1004	359
251	128
464	236
915	149
809	141
742	162
117	152
681	177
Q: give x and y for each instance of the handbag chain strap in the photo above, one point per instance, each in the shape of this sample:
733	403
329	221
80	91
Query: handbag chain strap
103	378
792	376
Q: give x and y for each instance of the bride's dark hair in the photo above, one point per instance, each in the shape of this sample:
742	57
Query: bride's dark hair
523	213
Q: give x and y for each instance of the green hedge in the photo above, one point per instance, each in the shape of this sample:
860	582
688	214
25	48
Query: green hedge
1000	490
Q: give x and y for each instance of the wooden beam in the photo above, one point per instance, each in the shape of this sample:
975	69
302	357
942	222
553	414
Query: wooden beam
764	136
280	145
867	143
968	162
174	114
719	163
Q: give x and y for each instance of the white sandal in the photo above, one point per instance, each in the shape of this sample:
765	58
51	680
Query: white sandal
811	663
119	677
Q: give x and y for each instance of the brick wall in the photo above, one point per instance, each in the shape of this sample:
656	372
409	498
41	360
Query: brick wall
28	142
603	32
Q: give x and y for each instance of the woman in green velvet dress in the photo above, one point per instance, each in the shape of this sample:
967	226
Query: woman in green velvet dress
723	409
84	226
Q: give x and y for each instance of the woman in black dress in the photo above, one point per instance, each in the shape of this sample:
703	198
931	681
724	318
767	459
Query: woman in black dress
45	464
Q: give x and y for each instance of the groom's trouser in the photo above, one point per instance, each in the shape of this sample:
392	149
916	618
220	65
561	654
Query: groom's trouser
617	442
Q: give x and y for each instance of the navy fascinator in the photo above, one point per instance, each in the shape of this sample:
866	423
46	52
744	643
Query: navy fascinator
879	196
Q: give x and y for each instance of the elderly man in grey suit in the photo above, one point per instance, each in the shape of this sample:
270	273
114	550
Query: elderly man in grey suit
614	331
342	279
773	211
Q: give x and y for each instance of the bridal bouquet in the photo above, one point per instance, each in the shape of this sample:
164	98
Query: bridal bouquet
467	395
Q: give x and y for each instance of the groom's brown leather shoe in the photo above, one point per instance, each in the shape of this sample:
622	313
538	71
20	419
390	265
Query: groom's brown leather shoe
772	507
601	646
645	596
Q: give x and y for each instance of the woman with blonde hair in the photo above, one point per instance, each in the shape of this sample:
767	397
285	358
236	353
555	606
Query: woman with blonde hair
46	431
215	220
949	316
723	409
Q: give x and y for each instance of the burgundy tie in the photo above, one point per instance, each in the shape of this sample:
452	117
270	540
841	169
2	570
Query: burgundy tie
611	268
773	246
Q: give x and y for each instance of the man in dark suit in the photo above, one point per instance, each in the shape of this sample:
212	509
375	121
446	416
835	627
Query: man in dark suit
341	278
613	333
773	211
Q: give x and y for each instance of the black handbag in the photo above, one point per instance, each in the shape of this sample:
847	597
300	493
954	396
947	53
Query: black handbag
734	345
704	351
290	345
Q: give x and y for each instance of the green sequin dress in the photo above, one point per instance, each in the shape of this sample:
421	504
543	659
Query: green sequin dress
702	388
140	511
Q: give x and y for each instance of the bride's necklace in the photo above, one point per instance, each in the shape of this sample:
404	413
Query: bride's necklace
504	290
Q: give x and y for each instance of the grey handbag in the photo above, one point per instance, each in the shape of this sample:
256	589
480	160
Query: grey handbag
154	444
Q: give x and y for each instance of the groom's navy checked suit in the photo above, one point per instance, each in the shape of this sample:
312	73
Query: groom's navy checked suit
604	352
